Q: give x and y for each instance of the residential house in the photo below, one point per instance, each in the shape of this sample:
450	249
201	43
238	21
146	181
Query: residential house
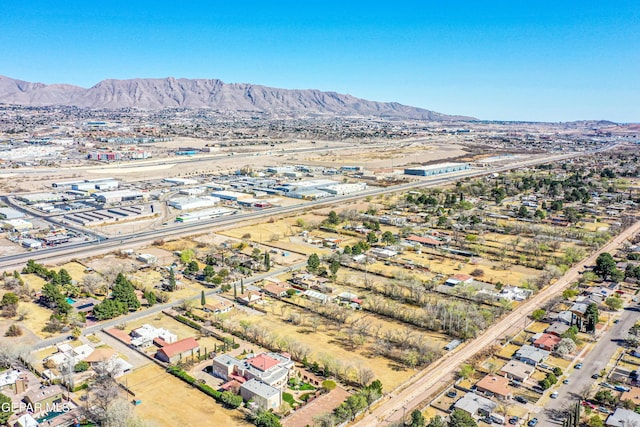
263	395
172	353
493	385
248	298
459	279
316	296
382	253
564	317
547	341
425	241
274	290
531	355
41	397
517	371
474	404
69	355
8	379
557	328
273	369
218	306
623	418
146	334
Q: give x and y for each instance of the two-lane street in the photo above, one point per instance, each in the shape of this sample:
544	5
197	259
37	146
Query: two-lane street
596	360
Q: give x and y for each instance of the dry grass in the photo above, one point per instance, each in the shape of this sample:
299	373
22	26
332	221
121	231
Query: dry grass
537	327
37	319
75	269
508	350
327	343
168	401
33	282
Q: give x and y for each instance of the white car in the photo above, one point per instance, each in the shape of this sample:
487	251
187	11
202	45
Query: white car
554	395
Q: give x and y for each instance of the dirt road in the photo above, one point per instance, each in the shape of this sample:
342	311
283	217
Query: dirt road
424	385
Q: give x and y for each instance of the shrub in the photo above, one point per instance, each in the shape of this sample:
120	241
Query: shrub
13	331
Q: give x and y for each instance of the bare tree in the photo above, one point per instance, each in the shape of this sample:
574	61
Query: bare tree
364	375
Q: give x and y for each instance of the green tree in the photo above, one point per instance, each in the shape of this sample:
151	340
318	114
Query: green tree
266	419
460	418
333	218
231	400
592	316
334	267
186	256
538	314
372	238
108	309
5	409
417	419
81	366
267	261
466	371
596	421
437	421
172	280
605	265
614	302
124	292
203	299
192	267
313	262
64	277
209	271
388	237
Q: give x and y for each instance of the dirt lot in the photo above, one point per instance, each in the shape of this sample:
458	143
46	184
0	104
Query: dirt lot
168	401
9	248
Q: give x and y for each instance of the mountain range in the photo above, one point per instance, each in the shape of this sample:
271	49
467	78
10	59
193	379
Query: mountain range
156	94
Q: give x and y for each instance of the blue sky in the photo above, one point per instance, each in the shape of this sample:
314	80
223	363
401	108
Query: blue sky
505	60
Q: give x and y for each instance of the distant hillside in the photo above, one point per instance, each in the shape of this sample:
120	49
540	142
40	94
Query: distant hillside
155	94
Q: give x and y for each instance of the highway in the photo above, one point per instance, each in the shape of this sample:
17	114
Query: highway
417	391
104	245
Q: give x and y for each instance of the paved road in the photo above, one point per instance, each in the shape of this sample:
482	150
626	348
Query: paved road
158	308
594	362
416	391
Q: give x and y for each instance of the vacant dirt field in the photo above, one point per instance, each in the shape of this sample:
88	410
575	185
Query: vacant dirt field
168	401
9	248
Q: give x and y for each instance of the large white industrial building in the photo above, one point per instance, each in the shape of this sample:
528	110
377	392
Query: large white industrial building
119	196
188	203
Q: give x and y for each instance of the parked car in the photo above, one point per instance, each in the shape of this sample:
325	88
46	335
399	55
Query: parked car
595	376
521	399
554	395
452	393
615	322
603	410
621	388
578	366
486	420
565	381
532	422
589	404
514	420
603	384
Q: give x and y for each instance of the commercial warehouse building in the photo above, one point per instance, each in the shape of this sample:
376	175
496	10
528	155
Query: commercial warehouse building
188	203
119	196
437	169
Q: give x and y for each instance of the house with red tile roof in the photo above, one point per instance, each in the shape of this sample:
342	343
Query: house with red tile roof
178	350
547	342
